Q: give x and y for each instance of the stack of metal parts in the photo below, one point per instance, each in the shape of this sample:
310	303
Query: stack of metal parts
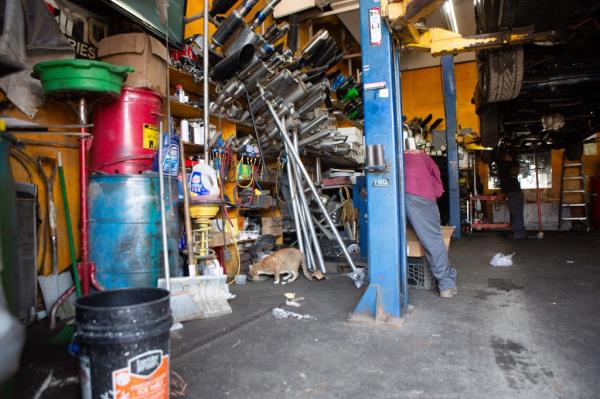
282	93
246	60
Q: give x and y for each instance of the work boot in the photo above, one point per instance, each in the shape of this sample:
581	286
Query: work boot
449	293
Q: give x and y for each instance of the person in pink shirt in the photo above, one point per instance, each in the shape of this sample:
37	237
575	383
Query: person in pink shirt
422	187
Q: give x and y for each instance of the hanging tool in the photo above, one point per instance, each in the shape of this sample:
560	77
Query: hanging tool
63	190
54	286
51	214
65	336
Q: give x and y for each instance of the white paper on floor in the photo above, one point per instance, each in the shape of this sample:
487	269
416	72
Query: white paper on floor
279	314
501	260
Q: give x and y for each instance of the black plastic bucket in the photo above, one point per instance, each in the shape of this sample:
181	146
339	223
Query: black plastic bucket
124	343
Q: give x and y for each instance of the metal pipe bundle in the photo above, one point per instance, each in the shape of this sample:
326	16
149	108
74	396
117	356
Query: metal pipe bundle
302	179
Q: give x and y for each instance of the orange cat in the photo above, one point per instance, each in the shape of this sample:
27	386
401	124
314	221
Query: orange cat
285	261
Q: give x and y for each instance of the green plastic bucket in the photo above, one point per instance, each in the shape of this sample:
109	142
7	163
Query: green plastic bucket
80	75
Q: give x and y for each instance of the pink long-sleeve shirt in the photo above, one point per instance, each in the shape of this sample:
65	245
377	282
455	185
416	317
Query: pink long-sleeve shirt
422	176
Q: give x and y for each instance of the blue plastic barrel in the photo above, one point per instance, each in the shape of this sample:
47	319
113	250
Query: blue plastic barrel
125	229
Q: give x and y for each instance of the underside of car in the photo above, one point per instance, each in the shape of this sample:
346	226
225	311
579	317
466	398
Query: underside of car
546	93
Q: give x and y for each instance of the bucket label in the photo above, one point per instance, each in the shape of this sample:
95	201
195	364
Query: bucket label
150	133
146	376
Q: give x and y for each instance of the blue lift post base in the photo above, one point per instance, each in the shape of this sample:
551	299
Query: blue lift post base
374	313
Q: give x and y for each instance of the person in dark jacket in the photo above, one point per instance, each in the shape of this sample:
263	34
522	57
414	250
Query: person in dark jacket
508	174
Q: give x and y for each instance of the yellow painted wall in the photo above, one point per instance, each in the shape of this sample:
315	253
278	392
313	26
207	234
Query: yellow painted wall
422	94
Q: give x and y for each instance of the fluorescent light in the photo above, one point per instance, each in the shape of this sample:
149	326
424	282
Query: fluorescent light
450	15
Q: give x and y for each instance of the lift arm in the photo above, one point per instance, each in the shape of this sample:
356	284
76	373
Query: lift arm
403	18
440	41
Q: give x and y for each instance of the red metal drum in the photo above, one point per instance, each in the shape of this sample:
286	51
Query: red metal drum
126	132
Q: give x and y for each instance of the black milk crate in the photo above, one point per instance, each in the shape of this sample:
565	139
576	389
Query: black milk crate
419	273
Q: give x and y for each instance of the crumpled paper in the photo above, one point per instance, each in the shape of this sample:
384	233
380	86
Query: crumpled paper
279	314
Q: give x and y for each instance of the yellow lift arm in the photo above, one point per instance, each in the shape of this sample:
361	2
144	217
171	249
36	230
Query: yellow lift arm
403	16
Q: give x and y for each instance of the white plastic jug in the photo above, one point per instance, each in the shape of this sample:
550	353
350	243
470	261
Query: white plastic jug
203	181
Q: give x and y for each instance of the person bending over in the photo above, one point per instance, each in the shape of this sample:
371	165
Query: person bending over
422	188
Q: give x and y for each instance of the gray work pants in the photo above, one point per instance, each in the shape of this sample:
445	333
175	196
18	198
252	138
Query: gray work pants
424	217
517	219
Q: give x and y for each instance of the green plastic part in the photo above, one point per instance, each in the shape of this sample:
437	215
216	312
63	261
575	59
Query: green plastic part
352	93
80	75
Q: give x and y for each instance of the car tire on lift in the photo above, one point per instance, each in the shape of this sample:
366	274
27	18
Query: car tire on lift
500	73
574	150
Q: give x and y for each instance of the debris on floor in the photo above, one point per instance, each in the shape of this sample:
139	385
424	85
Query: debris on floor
279	314
501	260
291	299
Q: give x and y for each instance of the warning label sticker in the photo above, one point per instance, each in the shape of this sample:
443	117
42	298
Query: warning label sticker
150	137
146	376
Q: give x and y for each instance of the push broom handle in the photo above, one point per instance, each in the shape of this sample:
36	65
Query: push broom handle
63	190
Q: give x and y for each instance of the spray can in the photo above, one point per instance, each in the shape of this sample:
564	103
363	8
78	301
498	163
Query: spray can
185	130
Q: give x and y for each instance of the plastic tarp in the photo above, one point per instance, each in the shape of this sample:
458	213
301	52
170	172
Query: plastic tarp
29	37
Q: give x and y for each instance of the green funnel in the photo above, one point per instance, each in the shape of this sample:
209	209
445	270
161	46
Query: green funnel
65	76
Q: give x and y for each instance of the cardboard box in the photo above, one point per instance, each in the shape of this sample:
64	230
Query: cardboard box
269	222
415	249
144	53
216	239
272	230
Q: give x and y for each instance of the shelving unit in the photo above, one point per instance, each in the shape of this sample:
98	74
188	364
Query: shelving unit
229	127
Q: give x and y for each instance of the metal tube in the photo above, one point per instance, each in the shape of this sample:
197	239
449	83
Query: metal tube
308	246
299	219
163	218
59	302
233	63
318	171
313	124
314	137
307	214
291	151
315	42
324	230
261	15
186	210
205	76
294	207
312	103
50	133
303	223
399	150
83	207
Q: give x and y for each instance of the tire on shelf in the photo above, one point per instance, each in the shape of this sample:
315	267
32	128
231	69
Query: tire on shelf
501	74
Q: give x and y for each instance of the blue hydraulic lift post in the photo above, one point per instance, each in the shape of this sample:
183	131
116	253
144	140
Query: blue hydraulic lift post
382	301
449	90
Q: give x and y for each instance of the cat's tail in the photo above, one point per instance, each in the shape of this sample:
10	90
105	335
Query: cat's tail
305	269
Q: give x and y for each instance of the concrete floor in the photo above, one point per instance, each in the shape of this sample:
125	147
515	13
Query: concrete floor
528	331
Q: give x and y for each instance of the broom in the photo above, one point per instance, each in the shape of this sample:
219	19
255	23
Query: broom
65	336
